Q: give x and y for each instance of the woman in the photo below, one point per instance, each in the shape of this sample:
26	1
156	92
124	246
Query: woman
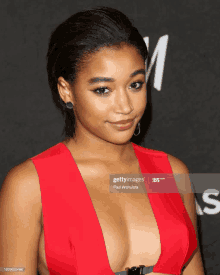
59	202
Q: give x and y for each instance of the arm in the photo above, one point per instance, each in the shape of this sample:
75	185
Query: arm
20	213
194	265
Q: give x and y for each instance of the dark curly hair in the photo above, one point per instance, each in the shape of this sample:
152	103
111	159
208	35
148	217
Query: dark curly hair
80	35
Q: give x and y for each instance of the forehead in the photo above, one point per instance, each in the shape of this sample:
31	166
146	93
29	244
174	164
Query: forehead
112	60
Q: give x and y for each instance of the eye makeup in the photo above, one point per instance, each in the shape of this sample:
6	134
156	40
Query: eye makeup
102	93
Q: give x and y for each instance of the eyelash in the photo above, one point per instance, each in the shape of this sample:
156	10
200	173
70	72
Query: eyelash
102	93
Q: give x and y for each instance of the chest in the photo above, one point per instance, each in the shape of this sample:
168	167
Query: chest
129	230
127	221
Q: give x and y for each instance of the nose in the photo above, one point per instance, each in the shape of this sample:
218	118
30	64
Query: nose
123	102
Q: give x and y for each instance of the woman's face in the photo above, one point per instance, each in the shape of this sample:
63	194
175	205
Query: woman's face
111	87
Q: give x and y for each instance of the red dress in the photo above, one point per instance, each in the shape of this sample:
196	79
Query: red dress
74	243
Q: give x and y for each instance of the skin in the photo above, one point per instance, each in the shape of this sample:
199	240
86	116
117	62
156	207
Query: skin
93	112
95	137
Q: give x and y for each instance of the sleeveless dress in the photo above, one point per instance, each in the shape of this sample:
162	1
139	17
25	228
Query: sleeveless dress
74	242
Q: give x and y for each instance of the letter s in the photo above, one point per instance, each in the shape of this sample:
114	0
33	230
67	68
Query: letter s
211	201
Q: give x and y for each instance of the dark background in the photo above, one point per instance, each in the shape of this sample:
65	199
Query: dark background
184	114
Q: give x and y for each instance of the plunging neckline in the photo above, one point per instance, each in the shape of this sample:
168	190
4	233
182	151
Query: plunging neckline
141	168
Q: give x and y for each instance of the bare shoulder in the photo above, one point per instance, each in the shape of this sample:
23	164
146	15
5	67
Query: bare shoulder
177	165
23	179
20	218
181	176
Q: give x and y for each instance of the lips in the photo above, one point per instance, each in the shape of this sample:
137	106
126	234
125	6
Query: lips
123	121
123	126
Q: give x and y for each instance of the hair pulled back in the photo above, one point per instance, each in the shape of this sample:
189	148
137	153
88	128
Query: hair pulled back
76	38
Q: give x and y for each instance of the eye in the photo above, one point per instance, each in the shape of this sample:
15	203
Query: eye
137	85
100	91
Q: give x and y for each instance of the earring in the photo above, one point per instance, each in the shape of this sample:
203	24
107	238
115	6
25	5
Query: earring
69	105
139	129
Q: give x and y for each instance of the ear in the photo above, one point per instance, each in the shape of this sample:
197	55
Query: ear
64	90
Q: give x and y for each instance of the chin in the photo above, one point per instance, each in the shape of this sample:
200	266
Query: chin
120	140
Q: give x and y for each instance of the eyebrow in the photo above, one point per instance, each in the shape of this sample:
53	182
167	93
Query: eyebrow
109	79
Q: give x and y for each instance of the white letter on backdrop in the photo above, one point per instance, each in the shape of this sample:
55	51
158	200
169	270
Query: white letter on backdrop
160	53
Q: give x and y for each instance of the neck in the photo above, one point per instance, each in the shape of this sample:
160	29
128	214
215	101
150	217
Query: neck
101	149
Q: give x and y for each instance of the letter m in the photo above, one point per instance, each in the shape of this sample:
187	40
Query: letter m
160	53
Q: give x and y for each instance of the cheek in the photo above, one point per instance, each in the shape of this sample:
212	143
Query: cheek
140	102
91	108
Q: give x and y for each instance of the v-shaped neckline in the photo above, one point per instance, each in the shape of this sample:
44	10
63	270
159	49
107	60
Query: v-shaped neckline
141	168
